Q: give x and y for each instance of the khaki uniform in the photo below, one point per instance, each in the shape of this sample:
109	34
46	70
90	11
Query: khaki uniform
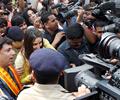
45	92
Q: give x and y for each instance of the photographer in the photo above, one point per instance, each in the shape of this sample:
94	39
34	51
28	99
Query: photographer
86	19
74	45
103	78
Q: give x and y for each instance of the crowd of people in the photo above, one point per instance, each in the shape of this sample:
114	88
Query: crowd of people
37	44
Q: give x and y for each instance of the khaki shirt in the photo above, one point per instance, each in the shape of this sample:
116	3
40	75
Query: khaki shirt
45	92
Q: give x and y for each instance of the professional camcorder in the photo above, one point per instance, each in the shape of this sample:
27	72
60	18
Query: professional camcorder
104	7
68	11
108	11
99	75
104	77
109	46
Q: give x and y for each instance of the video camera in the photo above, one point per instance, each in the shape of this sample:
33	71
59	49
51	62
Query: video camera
96	78
104	10
109	11
110	45
103	78
98	74
68	11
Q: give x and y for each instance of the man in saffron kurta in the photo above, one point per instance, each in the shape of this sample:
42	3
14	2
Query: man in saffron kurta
9	81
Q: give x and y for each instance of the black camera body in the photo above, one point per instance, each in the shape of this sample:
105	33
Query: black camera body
96	80
103	78
108	11
92	75
98	74
68	11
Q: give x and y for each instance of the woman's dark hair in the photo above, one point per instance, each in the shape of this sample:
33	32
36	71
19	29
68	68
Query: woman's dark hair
26	16
29	37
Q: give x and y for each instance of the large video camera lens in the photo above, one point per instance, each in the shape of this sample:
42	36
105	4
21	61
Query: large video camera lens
109	46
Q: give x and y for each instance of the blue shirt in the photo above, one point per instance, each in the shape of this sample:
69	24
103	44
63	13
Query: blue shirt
71	54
